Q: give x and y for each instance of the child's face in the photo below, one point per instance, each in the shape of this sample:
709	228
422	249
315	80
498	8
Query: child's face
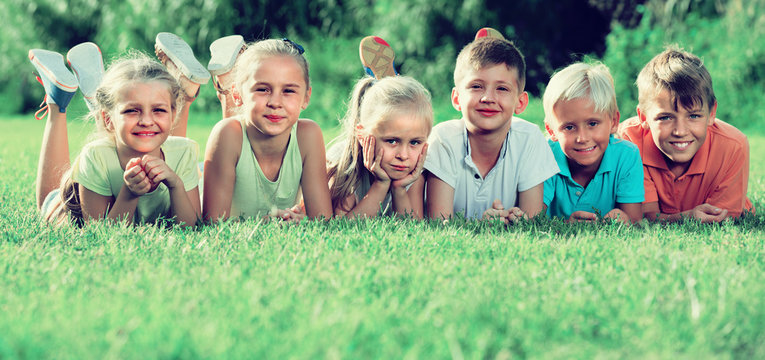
583	134
677	132
142	118
488	98
274	95
401	137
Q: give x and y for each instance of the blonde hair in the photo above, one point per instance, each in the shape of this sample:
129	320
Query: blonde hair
580	80
133	67
487	51
263	49
372	102
679	72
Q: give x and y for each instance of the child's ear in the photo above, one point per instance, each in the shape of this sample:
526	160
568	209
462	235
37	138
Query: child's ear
307	98
550	132
107	120
615	122
641	117
236	96
523	101
456	100
360	133
712	114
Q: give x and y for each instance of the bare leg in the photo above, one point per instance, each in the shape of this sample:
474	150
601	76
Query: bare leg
228	107
54	154
181	125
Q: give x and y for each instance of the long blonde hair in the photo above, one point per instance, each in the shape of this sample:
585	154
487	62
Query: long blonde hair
372	102
133	67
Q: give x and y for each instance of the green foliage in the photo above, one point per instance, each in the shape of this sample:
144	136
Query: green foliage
731	46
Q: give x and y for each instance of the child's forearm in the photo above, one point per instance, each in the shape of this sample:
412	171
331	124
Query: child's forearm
403	205
124	206
181	206
369	205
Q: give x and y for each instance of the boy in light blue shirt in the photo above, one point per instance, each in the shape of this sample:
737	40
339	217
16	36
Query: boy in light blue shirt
599	175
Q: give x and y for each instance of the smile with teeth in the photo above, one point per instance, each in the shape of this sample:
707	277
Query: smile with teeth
146	133
591	148
681	145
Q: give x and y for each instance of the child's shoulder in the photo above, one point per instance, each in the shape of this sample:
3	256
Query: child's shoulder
179	142
227	130
523	126
99	145
449	128
728	134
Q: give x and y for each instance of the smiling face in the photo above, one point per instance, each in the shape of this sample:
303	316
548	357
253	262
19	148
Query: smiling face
488	98
142	118
401	137
583	134
274	95
677	132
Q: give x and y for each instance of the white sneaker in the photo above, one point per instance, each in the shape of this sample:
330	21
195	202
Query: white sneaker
224	52
88	65
180	53
59	83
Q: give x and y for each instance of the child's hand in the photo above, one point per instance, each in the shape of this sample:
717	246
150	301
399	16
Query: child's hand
157	171
586	216
293	214
707	213
135	178
415	174
372	162
515	214
618	214
497	211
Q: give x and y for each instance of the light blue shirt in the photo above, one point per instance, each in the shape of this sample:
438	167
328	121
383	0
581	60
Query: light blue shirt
618	180
524	161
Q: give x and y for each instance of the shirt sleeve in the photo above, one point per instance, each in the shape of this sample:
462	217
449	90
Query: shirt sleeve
90	171
631	181
440	161
549	191
730	193
188	169
538	162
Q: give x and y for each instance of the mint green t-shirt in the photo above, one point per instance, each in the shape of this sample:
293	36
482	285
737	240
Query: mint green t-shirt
98	169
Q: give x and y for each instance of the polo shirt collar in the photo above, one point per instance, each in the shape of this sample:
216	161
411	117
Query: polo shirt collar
655	158
468	151
606	164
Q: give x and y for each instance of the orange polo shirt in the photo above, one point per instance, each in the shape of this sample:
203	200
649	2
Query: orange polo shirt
718	174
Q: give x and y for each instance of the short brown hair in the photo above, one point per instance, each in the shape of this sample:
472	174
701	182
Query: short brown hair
490	51
679	72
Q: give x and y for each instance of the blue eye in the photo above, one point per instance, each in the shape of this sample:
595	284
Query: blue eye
593	123
415	142
568	128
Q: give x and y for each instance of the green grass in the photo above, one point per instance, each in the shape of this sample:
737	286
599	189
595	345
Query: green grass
378	288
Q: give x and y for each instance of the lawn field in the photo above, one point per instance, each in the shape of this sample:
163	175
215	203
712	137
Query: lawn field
378	288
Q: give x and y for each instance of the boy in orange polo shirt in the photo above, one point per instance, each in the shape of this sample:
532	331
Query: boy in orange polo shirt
694	165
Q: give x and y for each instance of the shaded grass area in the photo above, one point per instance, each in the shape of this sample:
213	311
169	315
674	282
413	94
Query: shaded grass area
378	288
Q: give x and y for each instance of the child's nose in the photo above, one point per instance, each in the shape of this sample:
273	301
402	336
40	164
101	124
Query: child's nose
681	128
488	96
275	100
145	120
582	135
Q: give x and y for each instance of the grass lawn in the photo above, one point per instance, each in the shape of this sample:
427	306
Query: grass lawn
373	288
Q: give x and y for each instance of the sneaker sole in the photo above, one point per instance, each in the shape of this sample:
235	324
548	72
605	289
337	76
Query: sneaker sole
377	57
180	53
61	81
88	65
224	52
488	32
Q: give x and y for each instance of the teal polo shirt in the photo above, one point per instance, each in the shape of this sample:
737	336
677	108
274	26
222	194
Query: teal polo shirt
618	180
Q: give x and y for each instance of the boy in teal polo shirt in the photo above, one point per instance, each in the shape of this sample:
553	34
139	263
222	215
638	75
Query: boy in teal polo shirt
599	175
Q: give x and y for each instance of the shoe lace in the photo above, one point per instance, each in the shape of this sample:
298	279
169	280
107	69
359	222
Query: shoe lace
43	106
